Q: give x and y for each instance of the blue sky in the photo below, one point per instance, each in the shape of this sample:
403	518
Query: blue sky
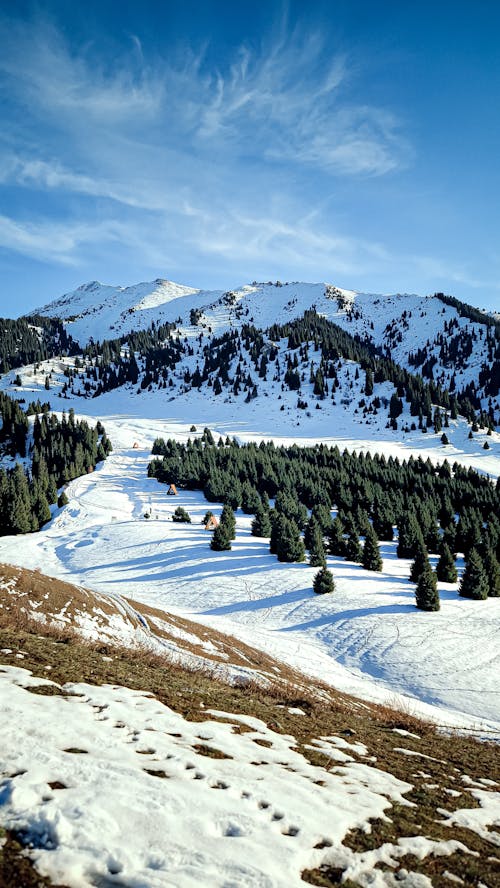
215	143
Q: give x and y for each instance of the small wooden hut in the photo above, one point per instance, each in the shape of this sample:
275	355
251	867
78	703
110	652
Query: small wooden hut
172	490
212	523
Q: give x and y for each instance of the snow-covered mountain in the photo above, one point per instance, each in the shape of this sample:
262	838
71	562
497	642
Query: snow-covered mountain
434	336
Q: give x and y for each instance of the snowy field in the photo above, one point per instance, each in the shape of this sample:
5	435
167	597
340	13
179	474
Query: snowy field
367	638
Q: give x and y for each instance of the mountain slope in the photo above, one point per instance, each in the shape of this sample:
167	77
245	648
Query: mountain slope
433	335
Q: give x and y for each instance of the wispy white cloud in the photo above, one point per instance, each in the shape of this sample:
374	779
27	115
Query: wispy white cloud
55	242
51	79
168	158
289	102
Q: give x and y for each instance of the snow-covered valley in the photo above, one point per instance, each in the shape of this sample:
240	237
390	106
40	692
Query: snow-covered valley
367	638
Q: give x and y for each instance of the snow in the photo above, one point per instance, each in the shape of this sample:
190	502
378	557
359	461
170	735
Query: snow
367	639
164	814
167	815
400	323
481	819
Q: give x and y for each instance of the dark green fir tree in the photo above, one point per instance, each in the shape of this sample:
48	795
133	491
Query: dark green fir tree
323	582
353	551
426	593
336	541
221	541
492	570
420	559
290	546
474	583
316	548
227	518
446	570
181	516
372	560
261	524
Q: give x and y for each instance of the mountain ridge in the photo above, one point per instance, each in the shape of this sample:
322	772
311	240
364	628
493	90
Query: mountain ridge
449	343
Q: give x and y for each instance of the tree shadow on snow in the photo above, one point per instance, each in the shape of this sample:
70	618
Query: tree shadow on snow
329	619
295	595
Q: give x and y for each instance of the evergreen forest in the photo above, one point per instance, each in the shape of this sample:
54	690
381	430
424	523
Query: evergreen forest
443	510
53	452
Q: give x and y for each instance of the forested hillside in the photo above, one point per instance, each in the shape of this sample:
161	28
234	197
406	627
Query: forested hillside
451	344
31	340
309	356
441	510
52	451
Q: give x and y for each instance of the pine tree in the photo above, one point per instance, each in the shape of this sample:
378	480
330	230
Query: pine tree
323	582
277	519
382	521
261	524
492	570
408	533
290	546
311	529
181	516
220	542
426	593
336	542
421	557
227	518
352	548
371	552
446	570
316	548
41	508
250	499
474	583
321	513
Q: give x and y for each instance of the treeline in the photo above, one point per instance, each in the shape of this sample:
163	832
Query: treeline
442	510
454	350
112	363
32	340
468	311
236	360
58	451
335	342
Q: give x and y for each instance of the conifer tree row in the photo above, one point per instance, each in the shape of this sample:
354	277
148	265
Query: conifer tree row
415	495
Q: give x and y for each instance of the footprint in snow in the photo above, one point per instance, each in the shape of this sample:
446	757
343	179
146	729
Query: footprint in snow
232	830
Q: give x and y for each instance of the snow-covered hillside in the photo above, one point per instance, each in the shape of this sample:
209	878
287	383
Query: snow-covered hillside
421	333
101	311
367	639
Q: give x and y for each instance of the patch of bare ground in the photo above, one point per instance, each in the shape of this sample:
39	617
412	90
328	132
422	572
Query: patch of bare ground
432	762
16	869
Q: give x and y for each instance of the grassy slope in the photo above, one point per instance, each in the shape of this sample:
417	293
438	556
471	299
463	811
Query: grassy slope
189	690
